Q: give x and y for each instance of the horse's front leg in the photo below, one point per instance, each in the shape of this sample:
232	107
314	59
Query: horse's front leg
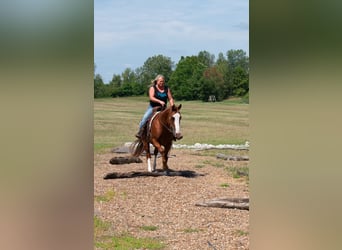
155	159
148	156
158	148
166	157
164	151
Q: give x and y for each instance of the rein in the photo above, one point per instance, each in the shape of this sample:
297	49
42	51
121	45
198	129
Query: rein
165	126
168	128
162	123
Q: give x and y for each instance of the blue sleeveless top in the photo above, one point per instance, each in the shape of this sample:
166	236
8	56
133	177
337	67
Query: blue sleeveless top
160	96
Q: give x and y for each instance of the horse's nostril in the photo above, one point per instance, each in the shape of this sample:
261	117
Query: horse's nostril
179	136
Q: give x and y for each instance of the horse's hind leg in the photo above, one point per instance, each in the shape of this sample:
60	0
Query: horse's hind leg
161	149
148	156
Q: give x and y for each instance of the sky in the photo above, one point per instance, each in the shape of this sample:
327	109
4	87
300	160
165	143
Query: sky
128	32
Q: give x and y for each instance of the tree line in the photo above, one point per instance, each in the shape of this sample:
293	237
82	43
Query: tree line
192	78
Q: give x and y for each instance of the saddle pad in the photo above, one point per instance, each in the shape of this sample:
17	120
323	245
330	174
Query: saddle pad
151	120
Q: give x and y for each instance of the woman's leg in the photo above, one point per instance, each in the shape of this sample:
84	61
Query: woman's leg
143	121
147	114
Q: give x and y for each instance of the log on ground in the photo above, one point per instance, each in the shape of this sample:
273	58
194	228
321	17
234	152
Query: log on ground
232	158
133	174
239	203
125	160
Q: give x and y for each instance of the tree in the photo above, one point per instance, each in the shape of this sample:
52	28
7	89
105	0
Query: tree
206	58
238	58
193	78
212	83
222	68
239	82
99	87
114	86
185	80
154	66
238	73
128	78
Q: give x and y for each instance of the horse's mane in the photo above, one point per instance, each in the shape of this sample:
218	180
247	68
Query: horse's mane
165	111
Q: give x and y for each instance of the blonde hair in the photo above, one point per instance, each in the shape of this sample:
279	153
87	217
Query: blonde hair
156	79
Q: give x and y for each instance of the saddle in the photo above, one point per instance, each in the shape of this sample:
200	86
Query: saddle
147	126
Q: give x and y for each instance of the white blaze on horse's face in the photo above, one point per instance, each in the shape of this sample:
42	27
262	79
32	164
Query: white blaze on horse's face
177	123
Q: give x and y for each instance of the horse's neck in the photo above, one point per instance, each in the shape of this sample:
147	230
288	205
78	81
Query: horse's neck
164	115
152	118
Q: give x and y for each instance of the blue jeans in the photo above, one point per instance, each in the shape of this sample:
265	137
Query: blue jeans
147	114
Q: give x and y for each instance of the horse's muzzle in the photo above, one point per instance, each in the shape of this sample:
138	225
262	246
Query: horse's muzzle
179	136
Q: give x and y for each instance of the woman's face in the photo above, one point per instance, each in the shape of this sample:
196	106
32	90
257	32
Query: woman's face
160	81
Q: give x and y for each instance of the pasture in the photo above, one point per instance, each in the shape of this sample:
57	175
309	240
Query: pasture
116	121
160	212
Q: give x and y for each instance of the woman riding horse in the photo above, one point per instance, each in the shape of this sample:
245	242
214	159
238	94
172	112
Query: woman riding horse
159	94
162	129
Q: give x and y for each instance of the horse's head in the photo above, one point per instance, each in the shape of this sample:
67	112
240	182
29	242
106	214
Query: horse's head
175	119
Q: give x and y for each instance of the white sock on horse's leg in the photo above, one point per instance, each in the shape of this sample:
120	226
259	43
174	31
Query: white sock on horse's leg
149	168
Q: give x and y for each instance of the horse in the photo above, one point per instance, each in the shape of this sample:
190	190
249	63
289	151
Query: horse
161	130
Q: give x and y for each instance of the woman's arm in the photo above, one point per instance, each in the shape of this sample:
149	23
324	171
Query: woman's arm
169	96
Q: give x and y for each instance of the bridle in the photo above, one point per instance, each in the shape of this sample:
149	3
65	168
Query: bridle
168	128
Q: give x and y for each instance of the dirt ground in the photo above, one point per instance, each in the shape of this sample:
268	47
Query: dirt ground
168	203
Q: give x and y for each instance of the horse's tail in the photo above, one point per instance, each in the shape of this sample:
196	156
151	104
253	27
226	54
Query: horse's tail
137	147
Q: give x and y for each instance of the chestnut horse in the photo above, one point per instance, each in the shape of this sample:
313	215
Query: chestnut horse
161	129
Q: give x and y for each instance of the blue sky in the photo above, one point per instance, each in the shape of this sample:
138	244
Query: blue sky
128	32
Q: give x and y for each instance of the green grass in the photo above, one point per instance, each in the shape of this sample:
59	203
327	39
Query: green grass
214	163
224	185
191	230
128	242
149	228
102	147
100	227
116	121
238	172
108	196
199	166
240	232
124	241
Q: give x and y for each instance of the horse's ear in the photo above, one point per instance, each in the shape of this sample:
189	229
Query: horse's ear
179	106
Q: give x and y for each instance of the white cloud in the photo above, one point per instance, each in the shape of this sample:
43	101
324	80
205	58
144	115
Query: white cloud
135	30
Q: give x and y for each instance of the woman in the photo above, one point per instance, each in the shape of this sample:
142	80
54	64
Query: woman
158	94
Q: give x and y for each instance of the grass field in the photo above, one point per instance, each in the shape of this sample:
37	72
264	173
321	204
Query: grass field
116	121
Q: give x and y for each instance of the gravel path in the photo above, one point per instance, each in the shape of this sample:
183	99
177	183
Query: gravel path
168	203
